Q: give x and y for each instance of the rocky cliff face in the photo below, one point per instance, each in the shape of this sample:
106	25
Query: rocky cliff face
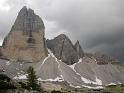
102	59
25	42
79	50
28	21
64	50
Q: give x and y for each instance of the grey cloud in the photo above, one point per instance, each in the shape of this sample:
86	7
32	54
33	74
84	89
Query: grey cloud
98	27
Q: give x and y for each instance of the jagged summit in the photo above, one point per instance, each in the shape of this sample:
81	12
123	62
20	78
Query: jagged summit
26	41
62	36
64	50
28	20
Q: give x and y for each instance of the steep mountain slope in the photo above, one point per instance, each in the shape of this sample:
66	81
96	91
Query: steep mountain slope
64	50
79	50
25	42
86	72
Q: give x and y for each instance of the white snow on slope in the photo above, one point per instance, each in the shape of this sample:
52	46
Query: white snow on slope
50	53
111	84
80	60
72	66
8	63
75	86
45	59
57	79
97	87
20	77
87	81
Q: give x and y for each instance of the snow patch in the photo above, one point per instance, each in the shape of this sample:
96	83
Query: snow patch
20	77
119	83
87	81
57	79
21	64
111	84
75	86
50	52
8	63
80	60
45	60
97	87
72	66
98	81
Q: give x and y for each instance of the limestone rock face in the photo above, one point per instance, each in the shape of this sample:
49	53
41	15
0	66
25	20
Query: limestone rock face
26	41
64	50
27	20
79	50
102	59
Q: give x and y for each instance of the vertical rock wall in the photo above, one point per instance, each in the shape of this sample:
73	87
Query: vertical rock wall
64	50
26	41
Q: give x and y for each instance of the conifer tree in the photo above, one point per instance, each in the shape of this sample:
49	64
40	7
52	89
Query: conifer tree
32	82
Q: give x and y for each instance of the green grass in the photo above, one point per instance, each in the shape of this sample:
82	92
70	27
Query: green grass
116	89
108	89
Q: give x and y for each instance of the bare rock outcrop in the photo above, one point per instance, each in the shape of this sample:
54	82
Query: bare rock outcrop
26	41
79	50
64	50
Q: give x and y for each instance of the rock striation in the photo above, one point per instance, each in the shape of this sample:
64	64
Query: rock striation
26	41
64	50
79	50
102	59
28	21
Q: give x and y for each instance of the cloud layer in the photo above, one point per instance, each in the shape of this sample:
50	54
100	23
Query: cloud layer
97	24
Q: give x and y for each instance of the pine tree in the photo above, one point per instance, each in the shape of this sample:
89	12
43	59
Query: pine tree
32	82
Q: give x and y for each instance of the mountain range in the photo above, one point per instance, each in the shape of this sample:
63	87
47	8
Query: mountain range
56	60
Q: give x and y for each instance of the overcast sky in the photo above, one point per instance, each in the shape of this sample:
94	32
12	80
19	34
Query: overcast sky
97	24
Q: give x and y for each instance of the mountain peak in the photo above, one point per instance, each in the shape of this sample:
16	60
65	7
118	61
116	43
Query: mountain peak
24	9
28	20
63	49
26	12
62	37
26	40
